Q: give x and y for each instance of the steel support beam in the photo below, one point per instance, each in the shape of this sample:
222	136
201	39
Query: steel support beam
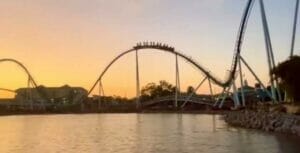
29	95
225	94
294	27
263	17
100	93
257	79
270	55
191	94
102	89
31	87
210	89
242	82
216	103
138	104
177	86
235	95
28	89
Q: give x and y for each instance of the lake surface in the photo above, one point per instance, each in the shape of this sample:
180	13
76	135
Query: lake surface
135	133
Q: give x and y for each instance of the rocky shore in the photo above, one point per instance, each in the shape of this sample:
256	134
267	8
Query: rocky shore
267	121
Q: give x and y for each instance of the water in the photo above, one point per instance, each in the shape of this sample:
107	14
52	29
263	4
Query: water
135	133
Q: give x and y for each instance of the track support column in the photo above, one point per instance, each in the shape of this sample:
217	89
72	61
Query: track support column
219	97
138	103
29	94
270	55
242	82
224	95
257	79
191	94
177	86
210	89
235	95
100	93
294	27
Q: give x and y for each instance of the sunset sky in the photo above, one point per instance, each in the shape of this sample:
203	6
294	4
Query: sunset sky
71	41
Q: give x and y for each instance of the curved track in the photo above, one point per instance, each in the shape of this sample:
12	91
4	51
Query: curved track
8	90
35	85
22	66
197	100
165	48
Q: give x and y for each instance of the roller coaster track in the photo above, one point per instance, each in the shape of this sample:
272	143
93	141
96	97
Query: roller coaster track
8	90
183	98
166	48
22	66
35	85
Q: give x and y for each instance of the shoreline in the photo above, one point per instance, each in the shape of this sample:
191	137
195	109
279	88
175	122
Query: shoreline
281	123
265	121
210	112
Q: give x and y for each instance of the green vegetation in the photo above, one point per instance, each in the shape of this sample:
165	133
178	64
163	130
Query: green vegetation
190	90
288	73
152	90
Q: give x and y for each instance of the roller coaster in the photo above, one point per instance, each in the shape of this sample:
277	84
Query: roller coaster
229	81
30	78
206	72
31	83
227	84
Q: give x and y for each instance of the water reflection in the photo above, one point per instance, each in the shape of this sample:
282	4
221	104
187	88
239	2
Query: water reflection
214	122
135	133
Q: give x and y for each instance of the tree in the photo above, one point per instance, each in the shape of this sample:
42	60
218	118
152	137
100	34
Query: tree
151	90
288	73
190	90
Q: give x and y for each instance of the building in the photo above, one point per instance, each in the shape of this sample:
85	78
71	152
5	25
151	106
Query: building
52	95
253	94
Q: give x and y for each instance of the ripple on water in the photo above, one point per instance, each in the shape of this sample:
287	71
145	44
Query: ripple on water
135	133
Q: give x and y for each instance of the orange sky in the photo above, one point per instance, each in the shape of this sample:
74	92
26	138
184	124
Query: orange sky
70	42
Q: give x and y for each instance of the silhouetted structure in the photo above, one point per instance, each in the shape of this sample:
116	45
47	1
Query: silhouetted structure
56	95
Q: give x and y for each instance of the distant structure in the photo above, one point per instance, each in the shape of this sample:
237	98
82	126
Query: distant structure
253	94
56	95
